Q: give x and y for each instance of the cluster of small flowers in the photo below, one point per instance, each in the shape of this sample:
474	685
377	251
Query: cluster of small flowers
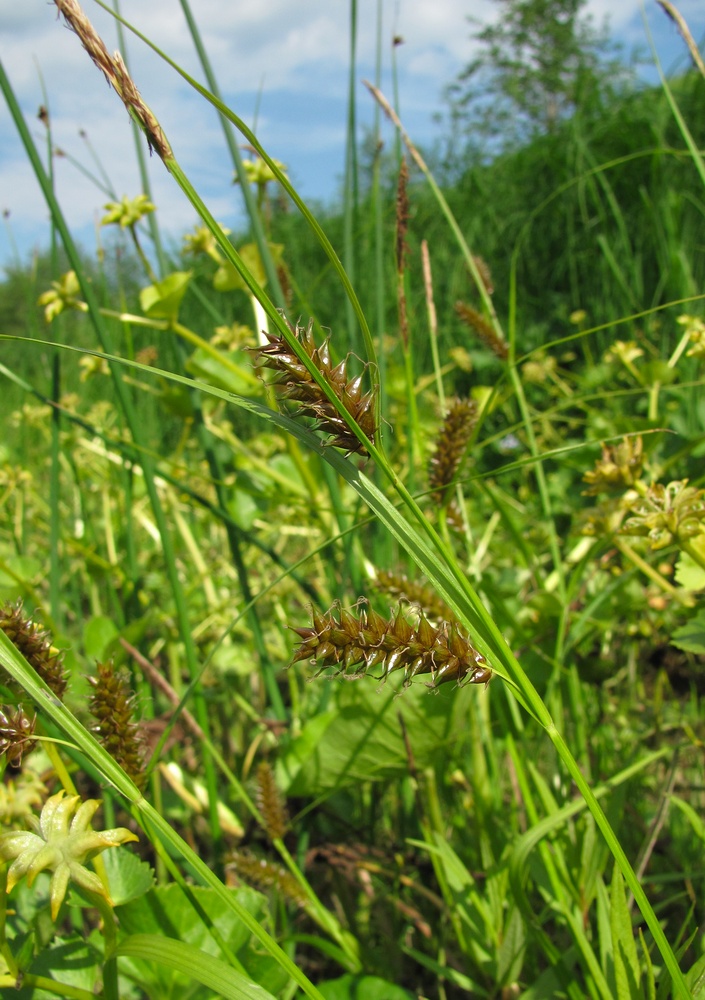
370	640
295	382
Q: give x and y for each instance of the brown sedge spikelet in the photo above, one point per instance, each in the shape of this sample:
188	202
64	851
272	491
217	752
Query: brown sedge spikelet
294	382
270	803
483	270
487	333
116	74
16	733
402	217
34	643
450	447
112	705
371	641
401	588
265	875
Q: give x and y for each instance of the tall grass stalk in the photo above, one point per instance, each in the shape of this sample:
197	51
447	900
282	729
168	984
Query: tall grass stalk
351	189
131	419
151	821
231	142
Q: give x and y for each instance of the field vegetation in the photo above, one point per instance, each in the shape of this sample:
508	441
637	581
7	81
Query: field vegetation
363	598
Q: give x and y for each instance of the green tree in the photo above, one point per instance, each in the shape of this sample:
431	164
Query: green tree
538	63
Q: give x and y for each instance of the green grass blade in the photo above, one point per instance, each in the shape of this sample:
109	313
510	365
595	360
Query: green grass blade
132	420
247	195
626	962
153	823
181	956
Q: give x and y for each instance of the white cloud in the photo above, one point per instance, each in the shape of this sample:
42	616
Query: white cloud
297	53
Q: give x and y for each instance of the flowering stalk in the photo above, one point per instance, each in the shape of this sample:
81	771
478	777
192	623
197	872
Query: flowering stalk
296	383
445	652
112	705
451	444
34	643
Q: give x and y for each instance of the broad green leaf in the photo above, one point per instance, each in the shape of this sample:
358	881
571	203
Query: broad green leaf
229	373
690	574
365	741
128	876
243	509
18	576
363	988
691	636
162	299
166	910
98	633
658	372
183	958
627	974
69	960
166	913
299	753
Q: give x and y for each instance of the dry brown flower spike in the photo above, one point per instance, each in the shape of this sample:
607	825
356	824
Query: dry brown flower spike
295	382
35	645
112	705
369	640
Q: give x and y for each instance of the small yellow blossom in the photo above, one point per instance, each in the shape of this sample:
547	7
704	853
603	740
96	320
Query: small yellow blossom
61	848
695	328
127	212
260	173
666	514
63	294
619	467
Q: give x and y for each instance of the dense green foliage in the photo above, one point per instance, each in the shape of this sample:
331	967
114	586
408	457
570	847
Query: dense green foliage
538	63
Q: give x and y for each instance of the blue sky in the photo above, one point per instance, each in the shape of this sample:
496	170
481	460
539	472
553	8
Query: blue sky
288	59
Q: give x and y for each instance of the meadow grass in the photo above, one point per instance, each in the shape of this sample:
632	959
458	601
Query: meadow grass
471	498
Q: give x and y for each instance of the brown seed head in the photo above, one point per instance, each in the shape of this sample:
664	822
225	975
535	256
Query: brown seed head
294	382
270	802
265	875
450	446
35	645
370	641
487	333
16	733
112	705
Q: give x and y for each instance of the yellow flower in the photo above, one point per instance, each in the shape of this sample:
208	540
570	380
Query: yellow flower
675	512
619	467
61	848
260	173
127	212
63	294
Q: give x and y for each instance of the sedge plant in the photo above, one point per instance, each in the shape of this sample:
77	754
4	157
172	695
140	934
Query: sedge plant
460	646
